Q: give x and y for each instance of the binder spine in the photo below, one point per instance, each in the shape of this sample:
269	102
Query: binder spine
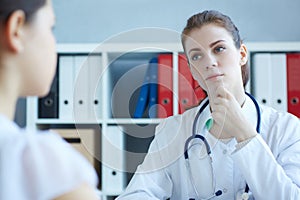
262	77
81	89
165	85
48	105
279	82
66	70
293	74
185	85
153	88
95	71
113	161
143	96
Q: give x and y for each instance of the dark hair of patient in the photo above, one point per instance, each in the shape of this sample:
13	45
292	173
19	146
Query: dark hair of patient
29	7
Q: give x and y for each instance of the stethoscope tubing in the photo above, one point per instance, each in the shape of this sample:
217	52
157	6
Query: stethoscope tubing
195	135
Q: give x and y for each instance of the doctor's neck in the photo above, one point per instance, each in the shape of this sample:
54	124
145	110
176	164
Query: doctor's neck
239	96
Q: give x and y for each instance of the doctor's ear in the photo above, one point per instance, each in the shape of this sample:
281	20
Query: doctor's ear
244	54
14	28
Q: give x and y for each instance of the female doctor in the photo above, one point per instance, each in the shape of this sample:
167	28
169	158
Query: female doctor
229	147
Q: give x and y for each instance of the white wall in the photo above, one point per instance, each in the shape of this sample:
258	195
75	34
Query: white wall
98	20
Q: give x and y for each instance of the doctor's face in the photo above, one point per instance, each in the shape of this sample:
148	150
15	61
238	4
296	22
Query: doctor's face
214	59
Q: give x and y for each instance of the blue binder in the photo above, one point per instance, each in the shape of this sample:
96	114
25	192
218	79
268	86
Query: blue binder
153	88
148	92
143	96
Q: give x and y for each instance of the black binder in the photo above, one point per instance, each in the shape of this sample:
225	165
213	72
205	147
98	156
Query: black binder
48	105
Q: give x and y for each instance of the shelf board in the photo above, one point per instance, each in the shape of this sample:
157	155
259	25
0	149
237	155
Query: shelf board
59	121
273	46
118	47
170	47
100	121
133	121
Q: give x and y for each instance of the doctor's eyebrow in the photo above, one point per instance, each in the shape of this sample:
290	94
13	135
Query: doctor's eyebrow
210	45
194	49
216	42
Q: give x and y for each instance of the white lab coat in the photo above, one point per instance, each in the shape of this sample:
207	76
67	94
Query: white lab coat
269	163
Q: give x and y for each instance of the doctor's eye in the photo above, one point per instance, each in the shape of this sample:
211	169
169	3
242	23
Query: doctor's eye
196	57
219	49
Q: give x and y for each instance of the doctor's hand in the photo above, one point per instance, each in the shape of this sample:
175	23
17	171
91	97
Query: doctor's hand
229	121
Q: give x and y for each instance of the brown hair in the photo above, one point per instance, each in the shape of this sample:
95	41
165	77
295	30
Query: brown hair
215	17
7	7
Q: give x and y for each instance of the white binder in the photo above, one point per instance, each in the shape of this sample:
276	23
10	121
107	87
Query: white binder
95	87
269	79
262	77
279	82
81	87
113	161
65	88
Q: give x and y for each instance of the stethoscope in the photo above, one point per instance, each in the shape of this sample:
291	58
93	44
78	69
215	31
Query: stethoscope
245	194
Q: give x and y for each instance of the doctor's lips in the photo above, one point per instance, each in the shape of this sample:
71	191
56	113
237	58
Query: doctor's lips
214	76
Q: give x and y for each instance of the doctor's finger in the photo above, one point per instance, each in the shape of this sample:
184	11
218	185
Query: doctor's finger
222	92
219	109
219	117
220	101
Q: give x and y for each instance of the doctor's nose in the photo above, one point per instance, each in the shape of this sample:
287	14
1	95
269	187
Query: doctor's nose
210	62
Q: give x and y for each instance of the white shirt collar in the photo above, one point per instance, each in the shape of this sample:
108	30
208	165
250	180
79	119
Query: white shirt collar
7	126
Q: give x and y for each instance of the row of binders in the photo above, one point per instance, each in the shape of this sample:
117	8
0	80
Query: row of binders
157	92
75	92
275	80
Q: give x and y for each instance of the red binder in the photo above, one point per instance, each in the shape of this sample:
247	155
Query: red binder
293	83
185	85
165	85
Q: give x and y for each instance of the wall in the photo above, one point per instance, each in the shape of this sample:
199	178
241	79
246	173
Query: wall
98	20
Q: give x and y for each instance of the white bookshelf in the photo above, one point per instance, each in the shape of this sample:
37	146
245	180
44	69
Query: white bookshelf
107	53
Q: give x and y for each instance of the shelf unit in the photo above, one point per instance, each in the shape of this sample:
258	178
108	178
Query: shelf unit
138	132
